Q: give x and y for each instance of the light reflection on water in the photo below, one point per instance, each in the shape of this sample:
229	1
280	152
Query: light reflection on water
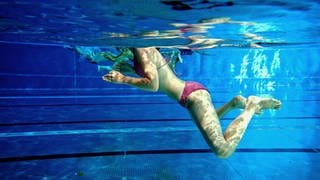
156	23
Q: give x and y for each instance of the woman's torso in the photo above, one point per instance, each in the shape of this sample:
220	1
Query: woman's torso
169	83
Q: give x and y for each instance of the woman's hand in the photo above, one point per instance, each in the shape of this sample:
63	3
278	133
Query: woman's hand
114	77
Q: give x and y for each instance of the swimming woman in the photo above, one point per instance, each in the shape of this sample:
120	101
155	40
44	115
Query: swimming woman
156	75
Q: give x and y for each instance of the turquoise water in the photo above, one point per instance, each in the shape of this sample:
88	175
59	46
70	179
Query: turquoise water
59	120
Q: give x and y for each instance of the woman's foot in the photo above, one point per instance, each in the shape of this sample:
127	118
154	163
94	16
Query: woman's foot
260	104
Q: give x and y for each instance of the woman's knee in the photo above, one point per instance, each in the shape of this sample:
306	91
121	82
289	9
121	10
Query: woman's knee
223	153
221	147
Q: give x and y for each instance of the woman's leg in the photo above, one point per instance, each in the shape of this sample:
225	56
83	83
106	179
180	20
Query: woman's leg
203	112
238	102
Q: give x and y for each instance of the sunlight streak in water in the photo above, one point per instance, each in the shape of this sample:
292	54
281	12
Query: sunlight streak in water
262	70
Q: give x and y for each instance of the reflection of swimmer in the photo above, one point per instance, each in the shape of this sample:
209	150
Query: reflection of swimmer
156	75
247	45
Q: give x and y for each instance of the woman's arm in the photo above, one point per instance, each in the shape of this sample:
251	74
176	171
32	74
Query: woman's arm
149	82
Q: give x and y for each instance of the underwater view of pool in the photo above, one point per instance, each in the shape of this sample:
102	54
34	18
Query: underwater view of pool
60	120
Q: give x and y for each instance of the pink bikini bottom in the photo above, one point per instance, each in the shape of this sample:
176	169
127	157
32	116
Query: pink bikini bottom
189	88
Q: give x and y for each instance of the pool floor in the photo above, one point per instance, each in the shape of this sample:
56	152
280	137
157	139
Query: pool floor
154	138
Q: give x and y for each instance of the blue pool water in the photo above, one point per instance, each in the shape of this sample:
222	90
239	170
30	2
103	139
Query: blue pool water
59	120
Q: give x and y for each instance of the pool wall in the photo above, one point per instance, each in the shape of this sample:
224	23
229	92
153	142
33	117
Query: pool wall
59	119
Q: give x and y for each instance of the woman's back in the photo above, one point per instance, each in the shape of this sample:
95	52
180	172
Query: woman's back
169	83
